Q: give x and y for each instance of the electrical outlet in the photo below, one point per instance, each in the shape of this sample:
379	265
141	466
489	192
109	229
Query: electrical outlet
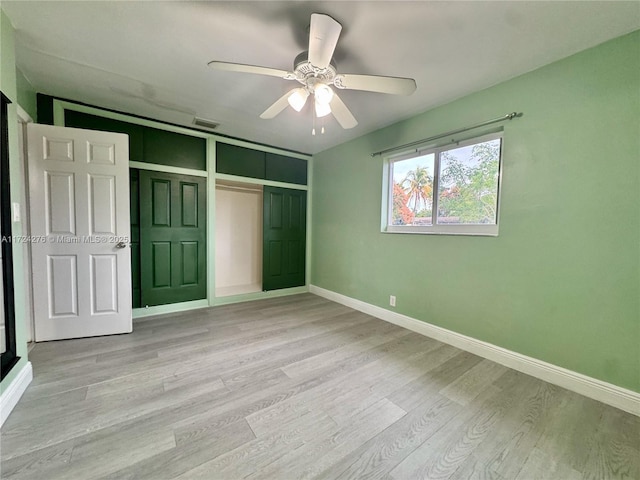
16	212
392	300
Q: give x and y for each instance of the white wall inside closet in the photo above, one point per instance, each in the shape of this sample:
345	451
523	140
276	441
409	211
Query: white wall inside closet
238	238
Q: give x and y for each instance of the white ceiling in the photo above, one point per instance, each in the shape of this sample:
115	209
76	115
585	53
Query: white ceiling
150	58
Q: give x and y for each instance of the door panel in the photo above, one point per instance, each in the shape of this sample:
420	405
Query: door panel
172	238
275	258
189	263
294	254
79	212
102	200
276	207
189	194
60	203
286	169
161	264
241	161
295	214
101	153
161	202
104	284
58	149
284	238
176	149
63	285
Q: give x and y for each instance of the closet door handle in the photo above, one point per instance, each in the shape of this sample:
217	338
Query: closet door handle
121	245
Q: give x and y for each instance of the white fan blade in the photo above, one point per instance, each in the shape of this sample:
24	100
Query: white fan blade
241	67
323	37
374	83
342	113
278	106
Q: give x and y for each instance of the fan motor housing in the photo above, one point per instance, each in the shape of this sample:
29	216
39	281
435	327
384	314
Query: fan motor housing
309	75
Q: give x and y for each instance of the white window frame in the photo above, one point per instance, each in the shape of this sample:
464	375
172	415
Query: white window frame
435	229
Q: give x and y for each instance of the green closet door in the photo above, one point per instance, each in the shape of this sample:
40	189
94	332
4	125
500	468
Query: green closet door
172	238
284	237
134	216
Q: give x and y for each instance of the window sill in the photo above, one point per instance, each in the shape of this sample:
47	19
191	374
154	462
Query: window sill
460	230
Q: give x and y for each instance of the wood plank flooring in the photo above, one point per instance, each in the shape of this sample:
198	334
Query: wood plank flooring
299	388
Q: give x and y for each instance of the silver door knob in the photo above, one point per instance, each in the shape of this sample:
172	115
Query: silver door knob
121	245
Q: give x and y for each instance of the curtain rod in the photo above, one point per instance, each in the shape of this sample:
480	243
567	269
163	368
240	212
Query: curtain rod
509	116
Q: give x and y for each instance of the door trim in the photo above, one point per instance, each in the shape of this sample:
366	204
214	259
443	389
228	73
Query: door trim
23	119
9	357
167	169
260	181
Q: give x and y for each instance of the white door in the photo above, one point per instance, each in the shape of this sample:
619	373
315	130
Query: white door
79	213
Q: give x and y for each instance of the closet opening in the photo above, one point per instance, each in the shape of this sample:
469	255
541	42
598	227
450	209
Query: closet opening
238	238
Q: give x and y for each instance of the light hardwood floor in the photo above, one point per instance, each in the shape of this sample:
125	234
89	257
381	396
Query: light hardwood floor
299	387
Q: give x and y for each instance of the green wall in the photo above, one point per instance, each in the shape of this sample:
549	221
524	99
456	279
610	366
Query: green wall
561	282
9	88
26	94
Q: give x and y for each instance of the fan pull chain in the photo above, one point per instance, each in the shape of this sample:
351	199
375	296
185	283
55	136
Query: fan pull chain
313	127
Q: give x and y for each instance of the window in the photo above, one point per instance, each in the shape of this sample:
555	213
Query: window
446	190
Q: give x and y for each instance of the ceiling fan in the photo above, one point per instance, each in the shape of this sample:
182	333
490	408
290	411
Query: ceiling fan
316	71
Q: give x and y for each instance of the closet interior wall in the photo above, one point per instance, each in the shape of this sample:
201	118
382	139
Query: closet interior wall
238	238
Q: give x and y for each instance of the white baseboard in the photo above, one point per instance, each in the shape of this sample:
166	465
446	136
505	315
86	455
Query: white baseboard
169	308
10	397
618	397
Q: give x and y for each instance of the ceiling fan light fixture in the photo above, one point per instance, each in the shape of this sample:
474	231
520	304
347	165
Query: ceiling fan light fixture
298	98
316	70
323	94
322	109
